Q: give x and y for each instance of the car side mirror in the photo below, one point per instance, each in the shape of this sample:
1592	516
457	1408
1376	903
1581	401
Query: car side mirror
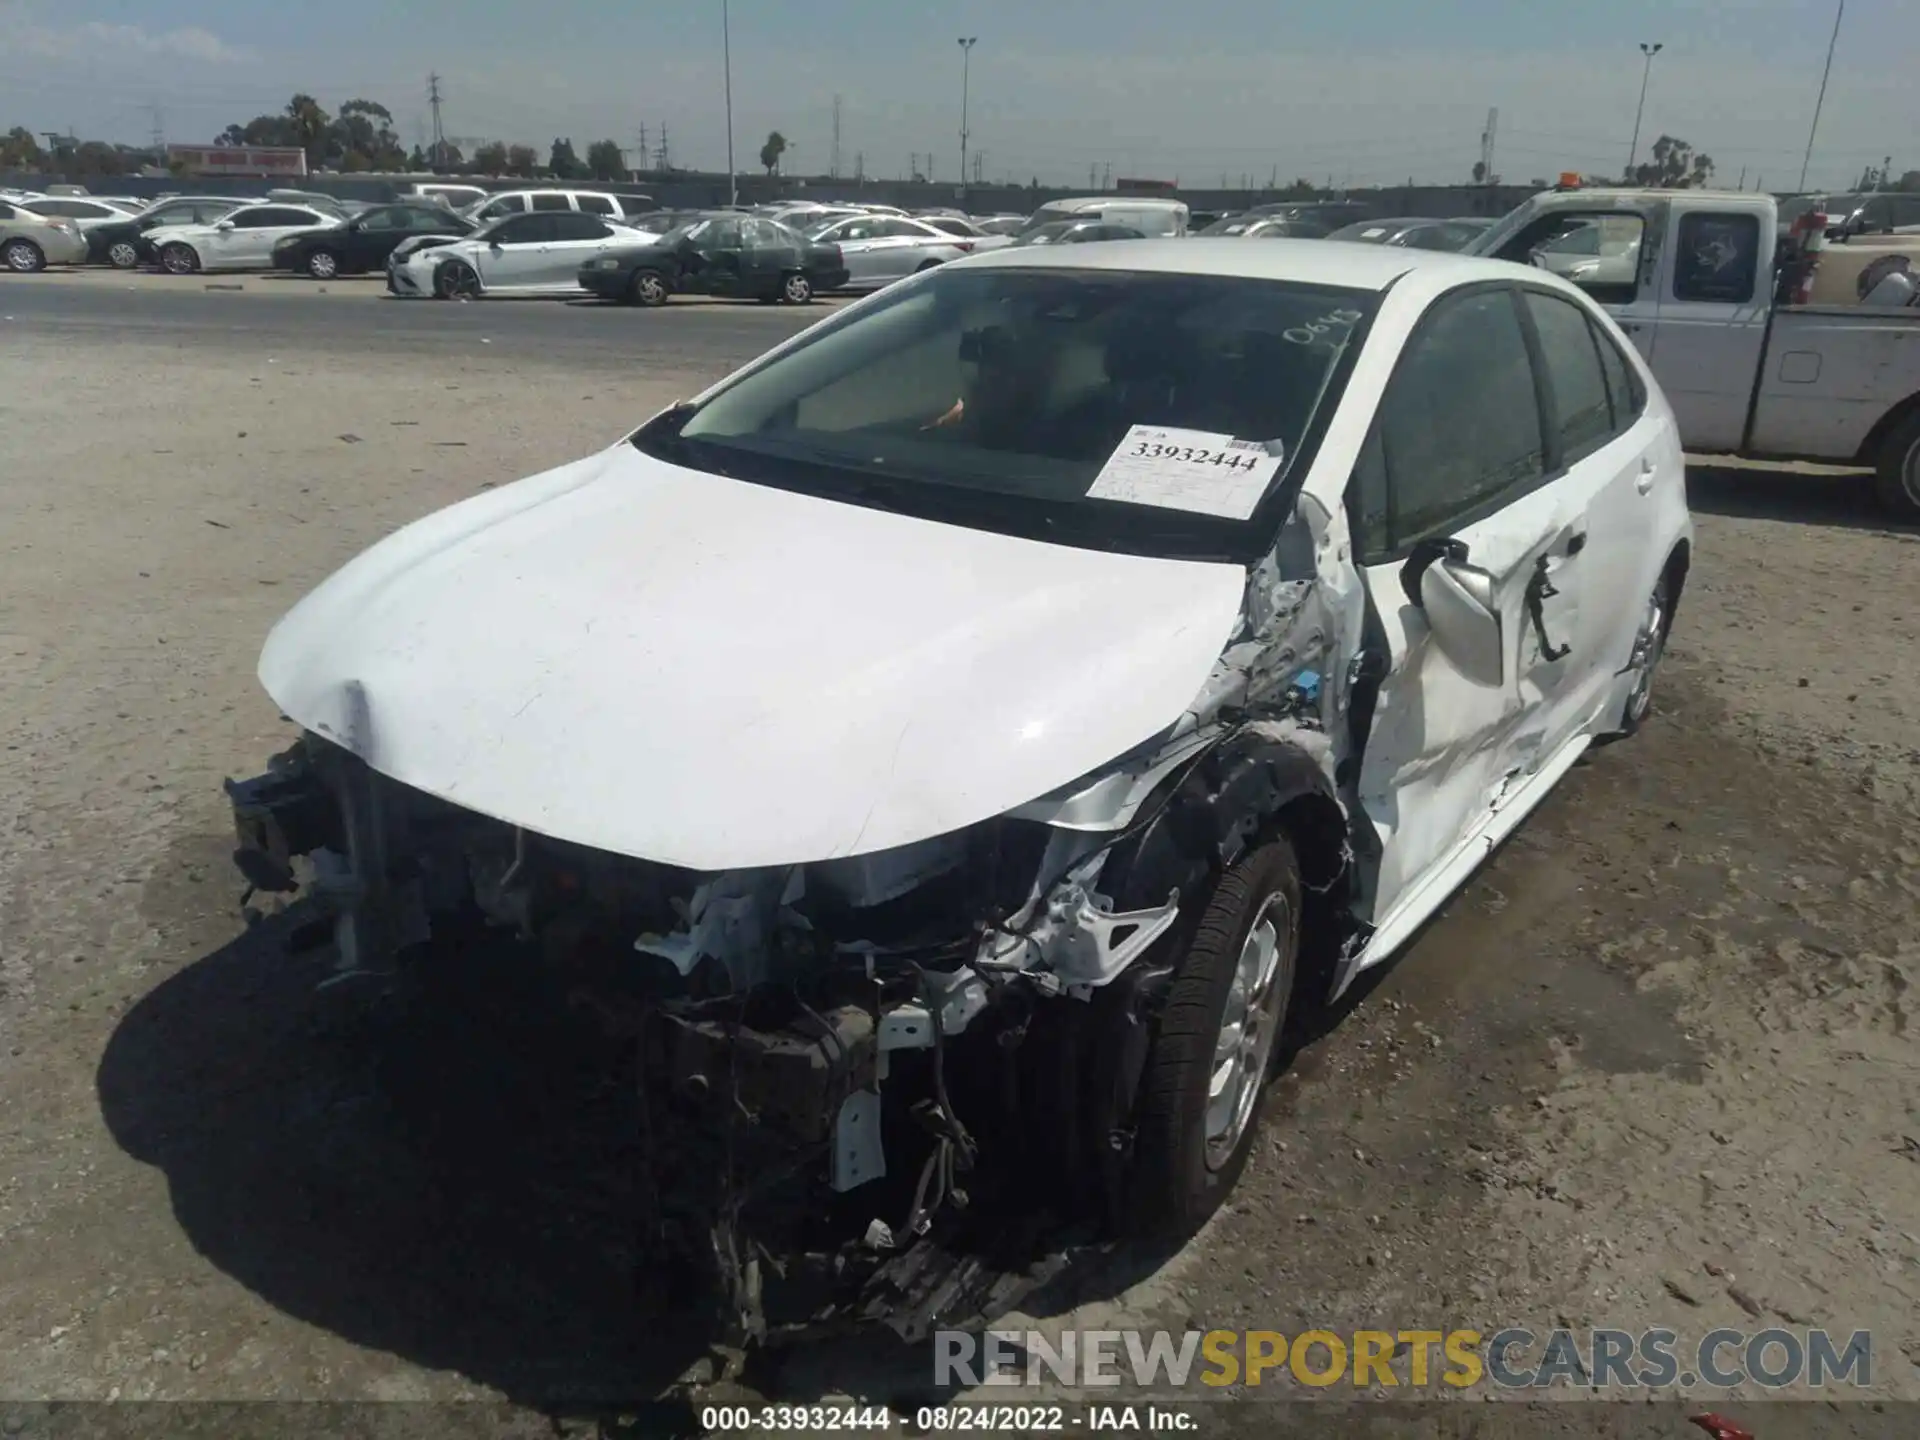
1462	613
224	225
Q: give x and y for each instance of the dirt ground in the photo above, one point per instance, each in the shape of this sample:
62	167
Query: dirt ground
1657	1065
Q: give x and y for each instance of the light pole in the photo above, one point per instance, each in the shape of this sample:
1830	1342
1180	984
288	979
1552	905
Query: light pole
1814	129
967	42
1645	75
726	53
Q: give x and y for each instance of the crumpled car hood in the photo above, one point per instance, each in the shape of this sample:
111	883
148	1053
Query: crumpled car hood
703	672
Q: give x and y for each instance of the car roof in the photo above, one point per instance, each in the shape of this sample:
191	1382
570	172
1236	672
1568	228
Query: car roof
1309	262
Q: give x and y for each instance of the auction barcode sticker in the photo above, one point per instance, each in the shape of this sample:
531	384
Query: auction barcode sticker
1192	470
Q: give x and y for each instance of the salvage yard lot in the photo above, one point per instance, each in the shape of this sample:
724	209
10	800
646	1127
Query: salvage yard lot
1656	1066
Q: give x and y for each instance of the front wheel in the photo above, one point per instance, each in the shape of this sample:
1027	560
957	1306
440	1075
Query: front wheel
179	260
649	287
797	290
456	280
1896	480
122	256
323	265
24	257
1210	1058
1649	648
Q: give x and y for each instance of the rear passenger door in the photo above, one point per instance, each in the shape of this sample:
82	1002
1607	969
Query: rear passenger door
575	237
1455	478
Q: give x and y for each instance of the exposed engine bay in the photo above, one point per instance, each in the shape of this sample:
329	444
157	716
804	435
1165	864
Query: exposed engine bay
887	1086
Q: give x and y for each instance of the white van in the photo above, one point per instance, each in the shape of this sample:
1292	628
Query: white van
1153	218
592	202
454	197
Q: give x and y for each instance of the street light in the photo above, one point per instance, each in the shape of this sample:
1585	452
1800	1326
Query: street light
967	42
726	52
1645	75
1814	129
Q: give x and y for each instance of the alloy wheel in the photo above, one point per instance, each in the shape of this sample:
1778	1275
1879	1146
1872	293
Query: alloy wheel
322	266
1243	1047
122	256
1649	645
24	257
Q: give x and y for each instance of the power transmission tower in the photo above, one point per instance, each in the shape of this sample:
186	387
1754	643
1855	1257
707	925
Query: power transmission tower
833	164
1106	176
979	165
159	132
439	130
662	157
640	148
860	166
1093	176
1486	146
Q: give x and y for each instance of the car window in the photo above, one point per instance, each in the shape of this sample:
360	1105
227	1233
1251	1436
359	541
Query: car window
596	205
853	230
524	230
251	219
429	218
1625	391
1581	412
71	209
380	220
505	205
723	235
575	226
1460	420
1007	396
950	226
548	200
766	235
273	216
1716	257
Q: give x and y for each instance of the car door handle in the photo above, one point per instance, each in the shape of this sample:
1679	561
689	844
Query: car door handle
1644	481
1576	542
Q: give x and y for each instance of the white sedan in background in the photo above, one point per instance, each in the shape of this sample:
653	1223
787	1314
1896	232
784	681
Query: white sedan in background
880	249
538	253
242	239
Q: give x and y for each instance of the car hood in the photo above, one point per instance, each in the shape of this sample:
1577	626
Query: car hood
699	671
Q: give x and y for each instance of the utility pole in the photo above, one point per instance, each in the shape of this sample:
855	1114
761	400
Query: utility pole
1106	176
726	55
967	42
1743	178
833	164
1093	176
1814	129
860	167
1646	74
1487	137
439	155
159	132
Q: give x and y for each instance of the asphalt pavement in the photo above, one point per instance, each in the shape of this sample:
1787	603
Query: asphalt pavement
297	316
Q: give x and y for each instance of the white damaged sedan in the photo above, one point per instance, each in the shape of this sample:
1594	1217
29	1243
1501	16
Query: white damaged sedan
967	734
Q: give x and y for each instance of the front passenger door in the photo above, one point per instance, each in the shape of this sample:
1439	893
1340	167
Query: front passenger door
1453	480
512	260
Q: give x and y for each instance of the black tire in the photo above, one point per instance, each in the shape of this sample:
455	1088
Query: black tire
179	260
123	255
455	278
797	289
648	288
322	265
1180	1176
1896	479
23	257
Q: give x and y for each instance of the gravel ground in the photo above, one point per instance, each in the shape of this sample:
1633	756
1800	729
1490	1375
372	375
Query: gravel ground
1655	1067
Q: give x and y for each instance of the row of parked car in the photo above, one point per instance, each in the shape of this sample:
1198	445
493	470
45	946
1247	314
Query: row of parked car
450	241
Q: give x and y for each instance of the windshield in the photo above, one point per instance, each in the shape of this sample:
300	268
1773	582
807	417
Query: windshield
1130	410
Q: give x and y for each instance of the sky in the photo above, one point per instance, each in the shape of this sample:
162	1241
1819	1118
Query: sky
1361	92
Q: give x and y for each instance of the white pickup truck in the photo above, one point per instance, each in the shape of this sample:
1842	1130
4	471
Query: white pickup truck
1690	277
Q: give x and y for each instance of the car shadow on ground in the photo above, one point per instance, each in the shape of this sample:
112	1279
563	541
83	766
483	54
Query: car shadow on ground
1838	498
450	1180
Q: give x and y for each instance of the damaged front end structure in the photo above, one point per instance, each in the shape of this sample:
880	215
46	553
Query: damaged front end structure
888	1087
